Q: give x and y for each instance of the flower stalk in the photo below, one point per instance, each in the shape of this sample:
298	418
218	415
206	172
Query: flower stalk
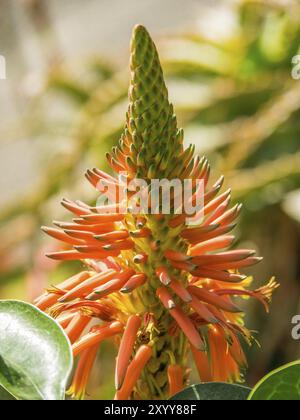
161	288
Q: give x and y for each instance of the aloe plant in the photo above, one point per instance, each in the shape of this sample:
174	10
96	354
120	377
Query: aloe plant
162	285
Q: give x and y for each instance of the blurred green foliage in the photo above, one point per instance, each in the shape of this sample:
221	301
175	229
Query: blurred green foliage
237	101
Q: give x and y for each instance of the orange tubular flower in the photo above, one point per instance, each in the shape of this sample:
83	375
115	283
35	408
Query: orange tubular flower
126	349
157	284
175	377
82	373
134	371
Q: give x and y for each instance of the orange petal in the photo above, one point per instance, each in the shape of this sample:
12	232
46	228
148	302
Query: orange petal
193	239
113	236
186	266
202	364
205	172
49	299
121	157
213	299
92	178
176	256
175	378
108	187
119	246
96	229
165	298
134	371
248	262
116	166
214	191
75	208
83	235
65	319
180	290
126	349
100	218
88	285
109	208
112	286
140	258
93	249
188	328
77	326
236	351
198	232
224	368
102	310
104	175
141	233
214	204
229	216
218	212
135	281
203	311
61	236
82	373
163	275
218	275
76	256
224	257
97	336
218	351
197	168
212	245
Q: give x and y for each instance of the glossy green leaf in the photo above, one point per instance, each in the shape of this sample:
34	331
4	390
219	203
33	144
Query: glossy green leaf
35	354
214	391
282	384
5	396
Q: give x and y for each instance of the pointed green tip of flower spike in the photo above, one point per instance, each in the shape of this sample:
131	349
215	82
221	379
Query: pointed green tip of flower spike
150	120
139	28
140	31
142	46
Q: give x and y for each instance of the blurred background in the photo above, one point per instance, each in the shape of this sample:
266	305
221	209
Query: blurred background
228	66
